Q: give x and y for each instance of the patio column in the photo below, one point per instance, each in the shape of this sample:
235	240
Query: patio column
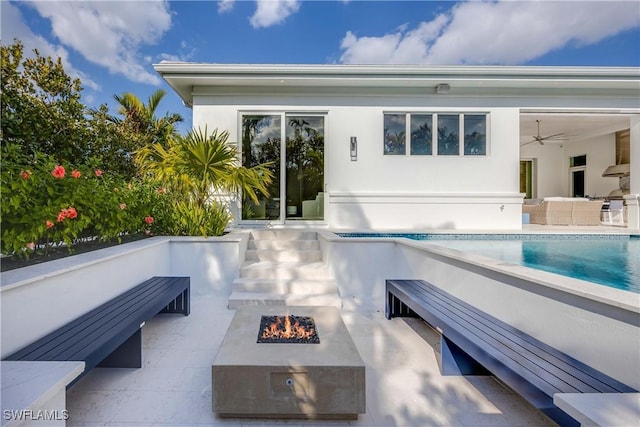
633	198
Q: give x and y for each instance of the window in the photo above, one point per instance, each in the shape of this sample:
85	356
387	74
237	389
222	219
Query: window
577	169
456	134
421	135
475	135
394	133
448	135
578	161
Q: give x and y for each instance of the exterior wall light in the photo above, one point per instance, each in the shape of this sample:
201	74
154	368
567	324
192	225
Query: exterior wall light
353	148
443	88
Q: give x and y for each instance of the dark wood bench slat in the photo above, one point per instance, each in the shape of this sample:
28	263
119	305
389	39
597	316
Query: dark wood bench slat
596	379
131	320
97	333
493	349
121	314
85	325
543	357
35	350
417	295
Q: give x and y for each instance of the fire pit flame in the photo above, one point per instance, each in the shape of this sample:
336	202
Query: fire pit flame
287	329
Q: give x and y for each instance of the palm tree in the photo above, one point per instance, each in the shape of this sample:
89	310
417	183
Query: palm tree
201	166
142	120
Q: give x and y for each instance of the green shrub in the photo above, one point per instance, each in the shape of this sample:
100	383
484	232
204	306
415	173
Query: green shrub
44	203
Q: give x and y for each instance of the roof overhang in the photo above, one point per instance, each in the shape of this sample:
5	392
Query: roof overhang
622	82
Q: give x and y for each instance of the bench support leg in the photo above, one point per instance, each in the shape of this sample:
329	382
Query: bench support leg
128	355
179	305
396	308
454	361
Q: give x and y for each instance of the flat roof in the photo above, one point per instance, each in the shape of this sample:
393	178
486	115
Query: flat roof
463	80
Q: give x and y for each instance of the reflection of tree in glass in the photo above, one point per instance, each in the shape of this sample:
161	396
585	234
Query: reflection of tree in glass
447	141
394	143
260	146
421	139
305	158
474	143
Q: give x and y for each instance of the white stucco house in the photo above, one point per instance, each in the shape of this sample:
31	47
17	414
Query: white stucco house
421	147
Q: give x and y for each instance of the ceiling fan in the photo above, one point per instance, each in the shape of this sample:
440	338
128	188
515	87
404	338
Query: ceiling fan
541	139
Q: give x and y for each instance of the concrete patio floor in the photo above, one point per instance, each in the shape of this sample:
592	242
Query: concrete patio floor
404	385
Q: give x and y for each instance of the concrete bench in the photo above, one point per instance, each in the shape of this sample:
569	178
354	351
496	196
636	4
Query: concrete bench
111	335
472	341
602	409
34	393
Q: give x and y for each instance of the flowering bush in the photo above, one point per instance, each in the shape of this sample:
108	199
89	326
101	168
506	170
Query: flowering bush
43	205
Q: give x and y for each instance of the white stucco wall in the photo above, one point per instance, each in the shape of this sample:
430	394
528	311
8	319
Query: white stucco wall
38	299
395	192
592	323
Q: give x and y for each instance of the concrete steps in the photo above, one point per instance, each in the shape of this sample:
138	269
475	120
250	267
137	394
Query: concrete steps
284	267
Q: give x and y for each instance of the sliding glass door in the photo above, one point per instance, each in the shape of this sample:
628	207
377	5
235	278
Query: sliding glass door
297	191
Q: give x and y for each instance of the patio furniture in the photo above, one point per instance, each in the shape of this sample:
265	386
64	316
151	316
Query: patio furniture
564	211
614	209
313	209
111	334
471	337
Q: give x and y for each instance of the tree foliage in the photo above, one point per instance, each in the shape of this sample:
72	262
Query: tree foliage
203	165
140	119
42	113
41	107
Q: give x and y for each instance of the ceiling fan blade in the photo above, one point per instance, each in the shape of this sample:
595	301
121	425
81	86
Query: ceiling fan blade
528	142
554	136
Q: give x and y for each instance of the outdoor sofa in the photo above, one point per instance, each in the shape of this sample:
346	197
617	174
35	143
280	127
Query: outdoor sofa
563	211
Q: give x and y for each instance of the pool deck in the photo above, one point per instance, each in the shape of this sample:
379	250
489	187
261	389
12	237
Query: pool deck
403	383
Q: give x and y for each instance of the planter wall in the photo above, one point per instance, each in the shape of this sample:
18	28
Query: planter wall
38	299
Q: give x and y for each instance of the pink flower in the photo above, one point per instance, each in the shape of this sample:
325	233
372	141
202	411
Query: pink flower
98	173
148	219
75	173
31	246
58	172
49	224
123	206
70	213
25	174
147	232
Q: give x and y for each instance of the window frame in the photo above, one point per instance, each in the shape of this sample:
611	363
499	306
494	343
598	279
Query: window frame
461	115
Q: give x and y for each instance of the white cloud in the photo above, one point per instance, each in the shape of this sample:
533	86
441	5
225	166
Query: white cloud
503	32
109	34
273	12
225	5
13	27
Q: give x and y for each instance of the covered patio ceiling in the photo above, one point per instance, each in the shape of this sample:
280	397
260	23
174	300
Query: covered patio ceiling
575	126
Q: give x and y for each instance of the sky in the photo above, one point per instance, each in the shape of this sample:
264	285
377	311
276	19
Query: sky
112	45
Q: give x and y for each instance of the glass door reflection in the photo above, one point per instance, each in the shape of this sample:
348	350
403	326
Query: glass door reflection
304	161
261	140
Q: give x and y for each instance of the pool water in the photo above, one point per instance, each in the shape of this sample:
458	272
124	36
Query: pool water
612	261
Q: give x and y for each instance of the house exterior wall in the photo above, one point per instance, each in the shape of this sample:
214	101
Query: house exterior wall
394	192
386	192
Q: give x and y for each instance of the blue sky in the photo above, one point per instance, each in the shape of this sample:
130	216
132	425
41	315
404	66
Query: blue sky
112	45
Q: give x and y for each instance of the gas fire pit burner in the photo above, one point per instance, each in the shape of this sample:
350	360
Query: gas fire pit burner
288	329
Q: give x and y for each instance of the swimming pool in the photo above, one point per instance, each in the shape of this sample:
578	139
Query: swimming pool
610	260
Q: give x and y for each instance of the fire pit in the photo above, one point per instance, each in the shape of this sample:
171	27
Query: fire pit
288	329
303	364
